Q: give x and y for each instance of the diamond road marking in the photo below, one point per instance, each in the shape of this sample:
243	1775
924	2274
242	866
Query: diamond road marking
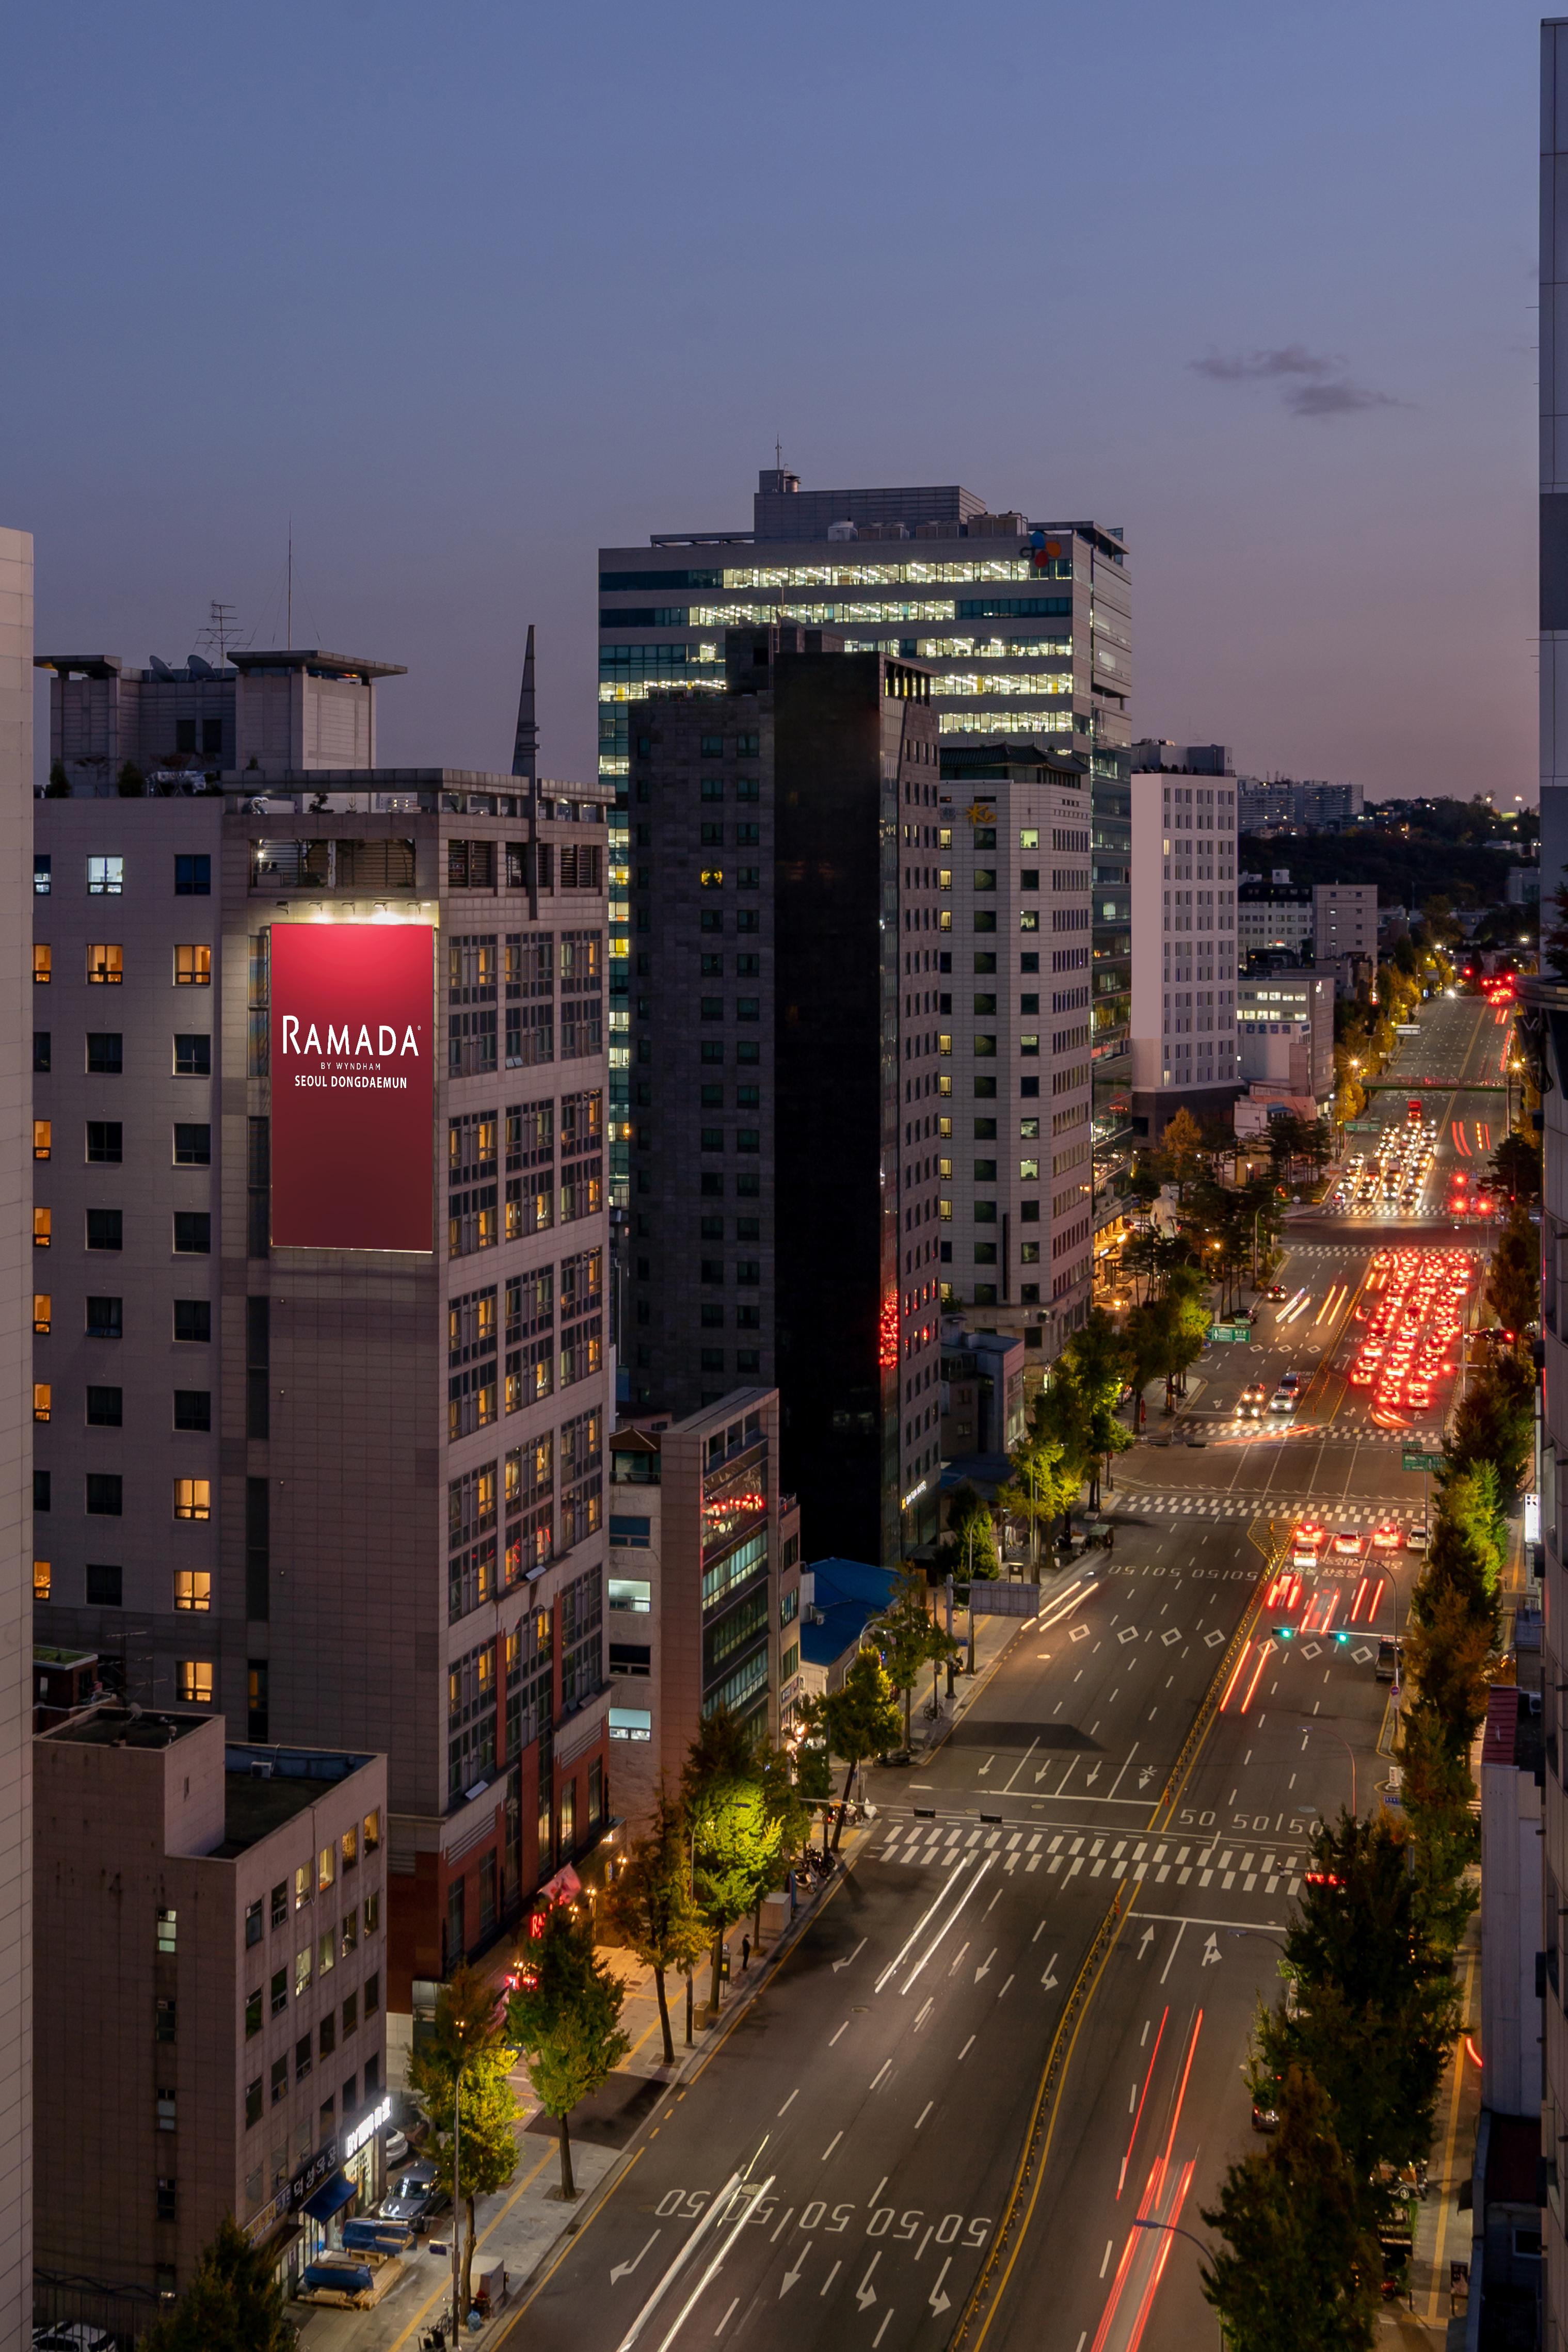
1309	1649
1170	1635
1127	1633
1362	1655
1210	1639
1078	1634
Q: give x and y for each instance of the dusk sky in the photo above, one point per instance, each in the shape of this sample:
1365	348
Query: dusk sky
469	291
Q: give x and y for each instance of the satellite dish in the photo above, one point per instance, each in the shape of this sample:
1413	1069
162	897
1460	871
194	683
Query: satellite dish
161	668
199	668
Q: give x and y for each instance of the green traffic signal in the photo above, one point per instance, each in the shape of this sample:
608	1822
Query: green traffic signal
1283	1633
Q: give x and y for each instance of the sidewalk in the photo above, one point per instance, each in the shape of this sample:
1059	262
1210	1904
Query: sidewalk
1442	2234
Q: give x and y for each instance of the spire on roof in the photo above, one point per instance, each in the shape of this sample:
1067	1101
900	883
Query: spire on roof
525	749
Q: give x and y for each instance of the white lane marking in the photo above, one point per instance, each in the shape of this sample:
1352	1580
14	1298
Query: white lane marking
828	2282
923	2113
966	2049
1166	1970
831	2146
1105	2265
714	2210
729	2316
885	2067
946	1924
842	2028
716	2264
917	1930
790	2101
624	2269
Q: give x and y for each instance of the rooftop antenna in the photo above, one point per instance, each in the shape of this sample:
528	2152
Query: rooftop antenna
288	619
778	455
220	632
525	743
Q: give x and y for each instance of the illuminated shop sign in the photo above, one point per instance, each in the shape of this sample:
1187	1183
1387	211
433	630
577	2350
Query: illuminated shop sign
352	1039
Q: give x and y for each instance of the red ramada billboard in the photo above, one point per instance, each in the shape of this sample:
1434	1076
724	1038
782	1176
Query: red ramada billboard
354	1085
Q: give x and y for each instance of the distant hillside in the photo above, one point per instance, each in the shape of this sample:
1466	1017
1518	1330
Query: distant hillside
1407	873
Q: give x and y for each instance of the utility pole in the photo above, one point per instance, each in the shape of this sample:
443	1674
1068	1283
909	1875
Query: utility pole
950	1665
457	2207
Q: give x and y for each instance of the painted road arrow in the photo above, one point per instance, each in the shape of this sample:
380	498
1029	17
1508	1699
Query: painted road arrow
866	2294
624	2270
792	2277
849	1956
940	2302
984	1967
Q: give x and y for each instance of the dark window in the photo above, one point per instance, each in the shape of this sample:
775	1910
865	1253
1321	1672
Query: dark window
103	1319
254	1929
748	1187
748	967
1029	877
192	1409
711	1318
43	872
258	1359
193	1319
712	1049
193	1147
712	1139
193	1058
194	876
164	2019
748	1138
713	1098
212	735
40	1490
168	2200
280	1991
104	1408
985	1172
41	1051
748	1008
712	967
712	1008
712	1269
103	1229
712	1360
103	1494
257	1725
258	1554
711	1185
104	1141
192	1233
712	834
105	1584
186	741
105	1053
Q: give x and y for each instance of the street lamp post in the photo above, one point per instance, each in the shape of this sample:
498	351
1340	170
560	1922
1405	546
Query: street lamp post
1174	2229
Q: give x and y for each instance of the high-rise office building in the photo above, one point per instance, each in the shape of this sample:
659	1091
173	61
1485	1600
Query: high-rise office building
789	1092
1184	955
319	1264
1026	629
16	1438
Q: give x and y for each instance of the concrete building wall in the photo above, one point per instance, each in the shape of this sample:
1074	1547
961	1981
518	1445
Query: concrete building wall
15	1439
1345	921
1286	1028
1510	1908
1016	1050
160	1951
1185	953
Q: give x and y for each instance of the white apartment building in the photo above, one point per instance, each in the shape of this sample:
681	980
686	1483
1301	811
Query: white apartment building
1016	980
1184	945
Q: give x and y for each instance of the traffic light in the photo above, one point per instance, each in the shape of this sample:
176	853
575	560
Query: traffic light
1283	1633
1343	1635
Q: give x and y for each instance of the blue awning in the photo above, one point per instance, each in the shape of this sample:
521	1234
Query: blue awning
330	2197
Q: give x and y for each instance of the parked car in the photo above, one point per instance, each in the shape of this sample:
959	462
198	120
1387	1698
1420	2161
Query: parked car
1416	1538
1390	1648
413	2198
72	2336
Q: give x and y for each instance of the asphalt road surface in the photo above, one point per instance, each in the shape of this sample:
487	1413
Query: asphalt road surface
916	2135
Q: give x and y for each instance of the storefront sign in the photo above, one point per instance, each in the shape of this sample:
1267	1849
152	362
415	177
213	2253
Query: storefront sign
310	2175
353	1062
366	2130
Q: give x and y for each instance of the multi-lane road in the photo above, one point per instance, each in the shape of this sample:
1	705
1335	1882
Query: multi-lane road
1017	2028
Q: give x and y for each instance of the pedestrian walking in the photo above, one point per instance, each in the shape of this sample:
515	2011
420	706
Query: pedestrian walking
745	1953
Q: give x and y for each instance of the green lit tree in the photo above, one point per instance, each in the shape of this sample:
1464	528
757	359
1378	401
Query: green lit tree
1513	1279
908	1636
463	2068
855	1722
650	1901
566	2021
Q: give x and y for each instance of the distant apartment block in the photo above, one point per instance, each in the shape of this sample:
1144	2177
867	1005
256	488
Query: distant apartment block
1274	918
1184	951
1309	807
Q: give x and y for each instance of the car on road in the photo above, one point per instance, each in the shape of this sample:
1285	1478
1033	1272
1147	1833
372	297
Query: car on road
1415	1537
1252	1400
1275	1290
1387	1537
1303	1556
1284	1400
1390	1649
1310	1537
1347	1544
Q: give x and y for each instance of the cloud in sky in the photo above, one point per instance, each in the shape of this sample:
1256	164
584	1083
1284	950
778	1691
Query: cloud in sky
1311	384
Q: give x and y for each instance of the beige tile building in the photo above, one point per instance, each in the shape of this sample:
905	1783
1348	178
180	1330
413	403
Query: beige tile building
210	1936
343	1494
